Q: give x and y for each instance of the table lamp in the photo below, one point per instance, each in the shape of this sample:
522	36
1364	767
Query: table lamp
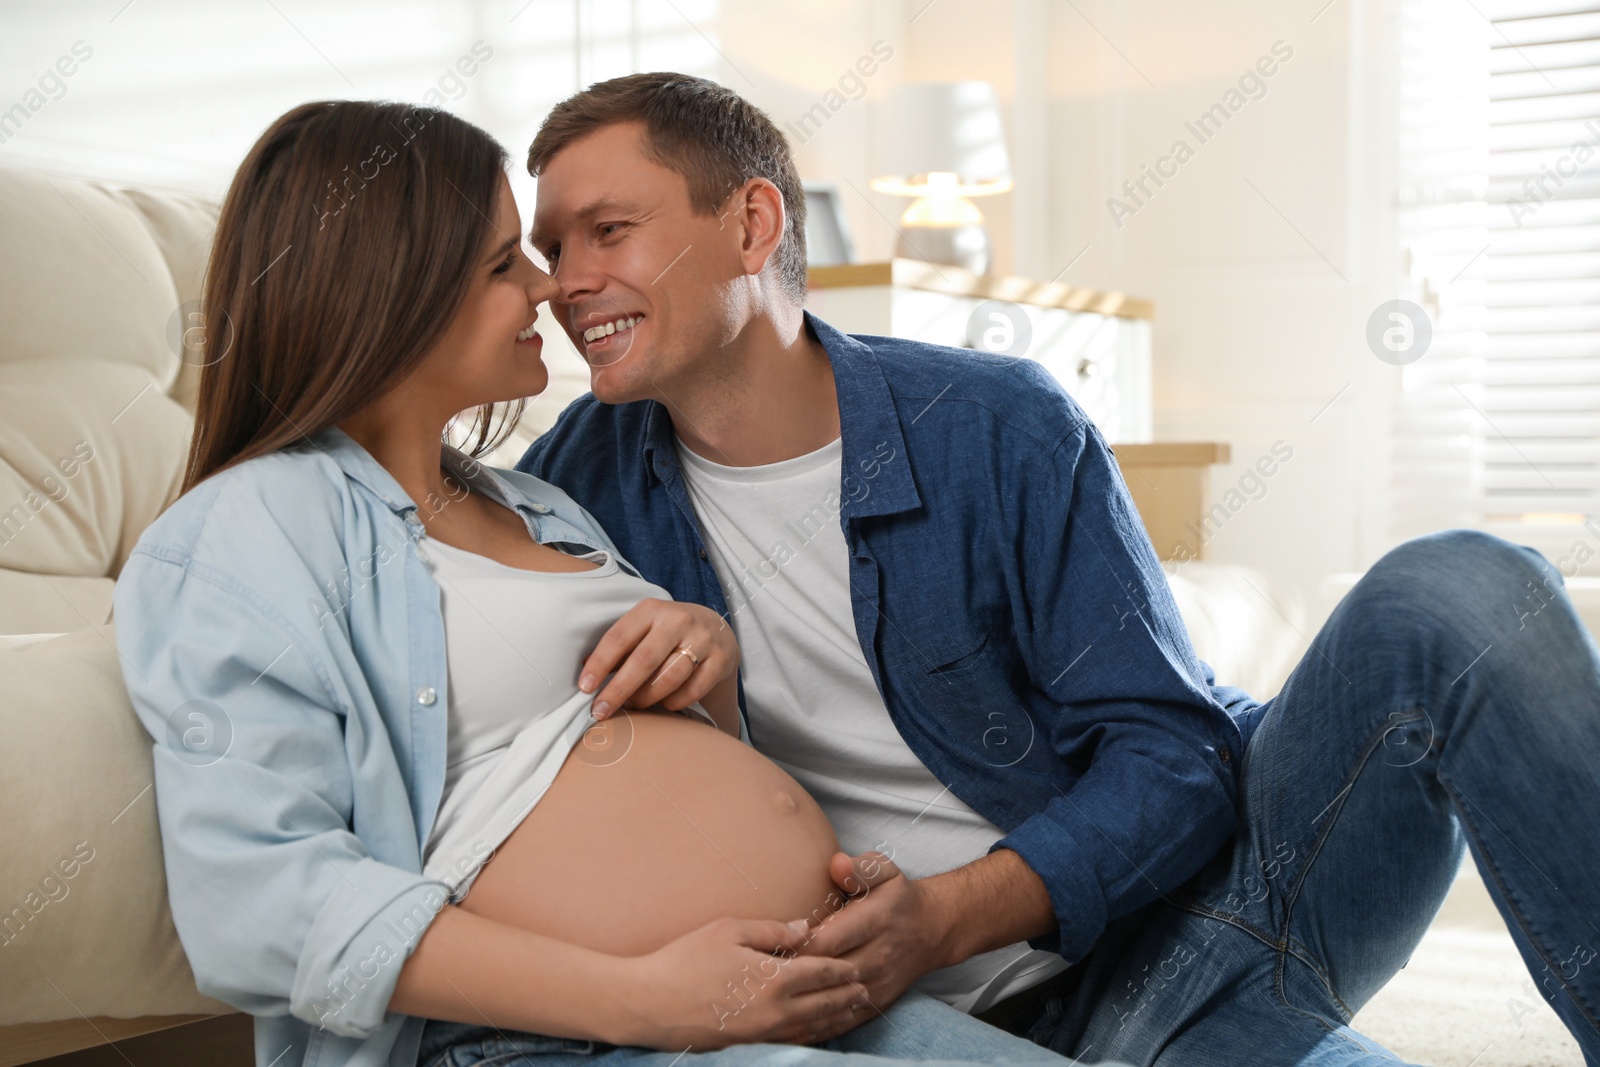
945	145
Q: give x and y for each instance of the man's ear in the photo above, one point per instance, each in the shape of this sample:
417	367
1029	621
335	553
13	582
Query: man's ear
757	208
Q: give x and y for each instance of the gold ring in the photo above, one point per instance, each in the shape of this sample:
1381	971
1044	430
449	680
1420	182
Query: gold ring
688	651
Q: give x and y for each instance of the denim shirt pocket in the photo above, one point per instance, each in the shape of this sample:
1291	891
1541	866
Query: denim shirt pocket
968	689
963	662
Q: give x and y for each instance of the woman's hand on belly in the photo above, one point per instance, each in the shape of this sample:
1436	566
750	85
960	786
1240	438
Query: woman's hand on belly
735	981
662	652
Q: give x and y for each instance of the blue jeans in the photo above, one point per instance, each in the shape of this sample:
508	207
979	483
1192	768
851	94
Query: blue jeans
1452	698
1451	701
915	1027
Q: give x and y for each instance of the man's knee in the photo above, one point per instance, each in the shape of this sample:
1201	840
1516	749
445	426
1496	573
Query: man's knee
1462	567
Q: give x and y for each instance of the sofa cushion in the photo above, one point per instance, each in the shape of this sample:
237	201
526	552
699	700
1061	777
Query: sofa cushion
52	603
82	276
90	453
1244	622
84	921
181	227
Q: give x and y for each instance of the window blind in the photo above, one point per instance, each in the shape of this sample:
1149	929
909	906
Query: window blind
1498	425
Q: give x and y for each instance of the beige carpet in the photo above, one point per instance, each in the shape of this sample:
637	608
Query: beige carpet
1466	999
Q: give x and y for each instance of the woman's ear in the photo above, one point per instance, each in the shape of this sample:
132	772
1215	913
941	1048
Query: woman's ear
757	207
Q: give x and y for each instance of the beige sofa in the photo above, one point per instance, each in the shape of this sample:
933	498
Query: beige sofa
95	414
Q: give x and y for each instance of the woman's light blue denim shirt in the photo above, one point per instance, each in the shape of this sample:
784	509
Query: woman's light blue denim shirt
283	644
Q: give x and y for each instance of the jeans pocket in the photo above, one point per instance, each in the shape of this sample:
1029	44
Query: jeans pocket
446	1044
517	1049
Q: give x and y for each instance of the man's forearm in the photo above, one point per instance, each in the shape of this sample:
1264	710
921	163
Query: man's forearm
994	901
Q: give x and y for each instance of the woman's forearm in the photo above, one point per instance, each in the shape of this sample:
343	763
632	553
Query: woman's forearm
471	969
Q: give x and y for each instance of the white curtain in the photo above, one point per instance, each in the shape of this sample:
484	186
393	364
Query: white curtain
1499	423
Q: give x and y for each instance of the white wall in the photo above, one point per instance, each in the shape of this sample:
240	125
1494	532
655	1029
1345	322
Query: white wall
1264	254
1260	316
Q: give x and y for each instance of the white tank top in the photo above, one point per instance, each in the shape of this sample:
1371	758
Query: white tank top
515	641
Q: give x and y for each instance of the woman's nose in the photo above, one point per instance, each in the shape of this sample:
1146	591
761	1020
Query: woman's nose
543	287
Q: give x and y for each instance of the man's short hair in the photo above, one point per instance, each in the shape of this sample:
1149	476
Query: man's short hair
709	134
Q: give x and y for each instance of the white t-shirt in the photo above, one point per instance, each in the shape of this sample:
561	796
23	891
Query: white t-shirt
812	704
515	642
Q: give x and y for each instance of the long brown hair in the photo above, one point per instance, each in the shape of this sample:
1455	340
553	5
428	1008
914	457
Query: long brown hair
346	245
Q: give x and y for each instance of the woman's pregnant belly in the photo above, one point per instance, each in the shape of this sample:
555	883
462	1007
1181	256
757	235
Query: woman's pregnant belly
655	825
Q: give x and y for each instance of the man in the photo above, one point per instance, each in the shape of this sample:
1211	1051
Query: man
957	636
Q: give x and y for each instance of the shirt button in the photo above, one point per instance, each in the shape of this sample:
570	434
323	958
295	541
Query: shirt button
702	553
541	509
426	696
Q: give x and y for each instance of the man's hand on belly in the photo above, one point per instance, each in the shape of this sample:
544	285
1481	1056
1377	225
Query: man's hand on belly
896	929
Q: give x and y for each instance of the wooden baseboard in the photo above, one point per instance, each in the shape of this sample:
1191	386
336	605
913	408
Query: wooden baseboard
28	1042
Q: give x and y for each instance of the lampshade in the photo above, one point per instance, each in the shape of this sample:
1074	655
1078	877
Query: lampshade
945	129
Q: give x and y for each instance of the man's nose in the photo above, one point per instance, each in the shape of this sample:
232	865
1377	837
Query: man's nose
577	276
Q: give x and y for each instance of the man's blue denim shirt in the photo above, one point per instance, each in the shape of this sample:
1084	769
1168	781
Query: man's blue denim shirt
1006	597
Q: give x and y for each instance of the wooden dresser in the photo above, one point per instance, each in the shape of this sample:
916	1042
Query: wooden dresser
1096	344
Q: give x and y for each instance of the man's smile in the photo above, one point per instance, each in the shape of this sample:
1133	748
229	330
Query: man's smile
610	327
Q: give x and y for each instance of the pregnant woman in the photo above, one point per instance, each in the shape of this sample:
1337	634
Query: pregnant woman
426	746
